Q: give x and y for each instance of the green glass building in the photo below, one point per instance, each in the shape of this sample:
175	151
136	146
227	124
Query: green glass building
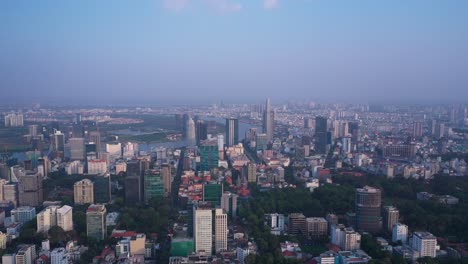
154	186
212	193
209	155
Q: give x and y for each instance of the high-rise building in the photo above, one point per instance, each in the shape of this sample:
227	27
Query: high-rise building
425	243
153	185
440	130
201	129
399	151
95	137
308	122
221	230
134	182
209	155
14	120
229	203
59	256
252	172
368	207
26	254
97	167
390	217
317	227
297	224
190	134
345	237
417	129
166	173
58	141
321	135
400	233
102	189
212	193
203	229
30	189
77	148
268	121
232	131
55	216
114	150
275	222
10	193
96	221
261	142
23	214
83	192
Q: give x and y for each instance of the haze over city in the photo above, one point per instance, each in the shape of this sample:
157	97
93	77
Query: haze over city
233	50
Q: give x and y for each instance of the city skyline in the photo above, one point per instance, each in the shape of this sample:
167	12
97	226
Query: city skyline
196	50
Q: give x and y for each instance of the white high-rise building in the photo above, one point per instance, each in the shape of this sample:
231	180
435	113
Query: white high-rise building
97	167
425	243
221	230
400	233
275	222
191	136
83	192
55	216
203	230
345	237
114	150
59	256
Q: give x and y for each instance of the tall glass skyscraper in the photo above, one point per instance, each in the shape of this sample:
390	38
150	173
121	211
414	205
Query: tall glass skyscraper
268	121
232	131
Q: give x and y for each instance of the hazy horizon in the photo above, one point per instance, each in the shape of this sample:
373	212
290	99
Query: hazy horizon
207	51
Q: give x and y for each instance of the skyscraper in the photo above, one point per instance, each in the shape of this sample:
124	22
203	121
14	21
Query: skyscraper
55	216
96	221
209	155
417	130
212	193
229	203
95	136
77	148
201	129
133	182
321	135
203	229
268	120
390	217
167	178
221	230
232	131
368	203
190	134
153	184
252	172
83	192
30	191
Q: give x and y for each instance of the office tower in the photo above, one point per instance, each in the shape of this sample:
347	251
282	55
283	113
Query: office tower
425	243
10	193
102	189
353	129
346	144
416	129
26	254
317	227
440	130
96	221
55	216
114	150
229	203
400	233
308	122
232	131
345	237
261	142
95	137
221	230
23	214
320	135
201	129
275	222
77	148
134	182
212	193
58	141
129	150
268	121
78	118
166	173
153	185
252	172
209	155
390	217
203	229
368	202
433	127
97	167
297	224
30	189
83	192
190	132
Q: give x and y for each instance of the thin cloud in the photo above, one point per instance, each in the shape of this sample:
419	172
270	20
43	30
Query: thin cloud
220	6
270	4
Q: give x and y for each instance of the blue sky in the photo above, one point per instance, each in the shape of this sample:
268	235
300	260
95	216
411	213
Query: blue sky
233	50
